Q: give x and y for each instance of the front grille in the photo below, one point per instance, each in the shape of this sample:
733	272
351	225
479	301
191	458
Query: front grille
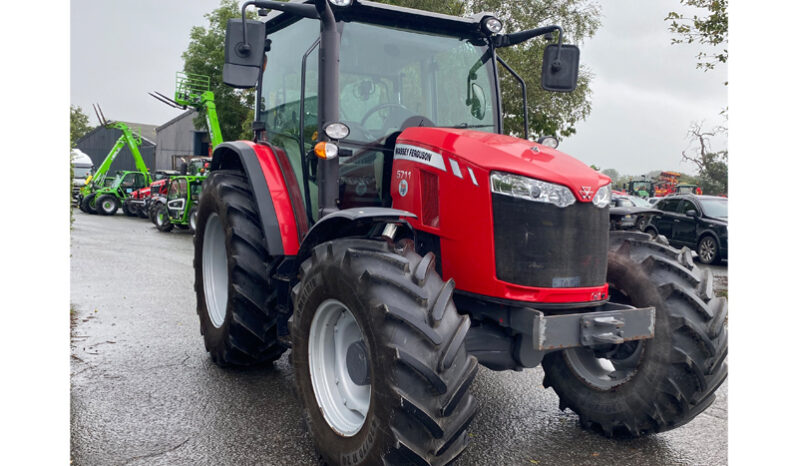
542	245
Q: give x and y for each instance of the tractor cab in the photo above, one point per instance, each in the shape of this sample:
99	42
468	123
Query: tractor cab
180	206
128	181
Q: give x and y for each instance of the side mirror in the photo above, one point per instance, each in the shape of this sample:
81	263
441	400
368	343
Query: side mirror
692	213
477	101
243	62
560	68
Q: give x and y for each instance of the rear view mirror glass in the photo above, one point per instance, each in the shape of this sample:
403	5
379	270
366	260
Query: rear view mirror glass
560	72
242	64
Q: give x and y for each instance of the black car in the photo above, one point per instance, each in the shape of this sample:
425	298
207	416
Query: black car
629	212
698	222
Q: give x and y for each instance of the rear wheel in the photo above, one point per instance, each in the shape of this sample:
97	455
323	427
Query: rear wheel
236	298
107	204
161	219
654	385
379	356
708	251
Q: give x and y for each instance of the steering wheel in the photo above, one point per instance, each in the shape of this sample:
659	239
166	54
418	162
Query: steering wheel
383	106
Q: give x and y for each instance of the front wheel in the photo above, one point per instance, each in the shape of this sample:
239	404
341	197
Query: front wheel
379	355
653	385
88	204
131	210
161	219
107	204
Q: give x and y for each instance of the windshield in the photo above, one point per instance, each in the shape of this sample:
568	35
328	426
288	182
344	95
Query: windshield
81	172
390	75
718	208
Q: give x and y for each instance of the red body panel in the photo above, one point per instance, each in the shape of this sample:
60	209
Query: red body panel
465	225
280	192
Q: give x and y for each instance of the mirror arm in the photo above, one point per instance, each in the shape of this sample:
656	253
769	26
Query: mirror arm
303	10
507	40
523	93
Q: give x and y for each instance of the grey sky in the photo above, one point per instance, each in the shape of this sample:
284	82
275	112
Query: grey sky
645	91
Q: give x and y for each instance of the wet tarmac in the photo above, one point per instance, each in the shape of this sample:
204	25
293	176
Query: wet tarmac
144	390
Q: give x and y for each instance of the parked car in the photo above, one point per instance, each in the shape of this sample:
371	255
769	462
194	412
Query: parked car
629	212
698	222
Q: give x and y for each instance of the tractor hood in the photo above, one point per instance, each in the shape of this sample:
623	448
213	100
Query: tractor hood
496	152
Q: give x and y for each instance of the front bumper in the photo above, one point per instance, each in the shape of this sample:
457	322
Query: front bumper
514	335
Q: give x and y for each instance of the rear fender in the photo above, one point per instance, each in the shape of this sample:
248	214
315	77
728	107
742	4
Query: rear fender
274	186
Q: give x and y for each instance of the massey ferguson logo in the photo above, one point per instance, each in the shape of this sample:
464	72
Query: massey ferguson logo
586	192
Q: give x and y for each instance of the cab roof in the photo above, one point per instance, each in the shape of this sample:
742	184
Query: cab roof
392	16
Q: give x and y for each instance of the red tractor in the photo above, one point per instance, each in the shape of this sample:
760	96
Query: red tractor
381	227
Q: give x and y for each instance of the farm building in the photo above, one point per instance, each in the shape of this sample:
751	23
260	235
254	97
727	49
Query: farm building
177	137
99	141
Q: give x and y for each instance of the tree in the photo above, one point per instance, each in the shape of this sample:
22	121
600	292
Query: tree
711	30
550	113
205	56
712	165
612	173
78	125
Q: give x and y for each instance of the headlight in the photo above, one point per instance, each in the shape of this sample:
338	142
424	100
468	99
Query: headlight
602	197
531	189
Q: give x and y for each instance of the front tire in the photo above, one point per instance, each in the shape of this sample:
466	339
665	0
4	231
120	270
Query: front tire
409	340
88	205
129	209
161	219
107	204
236	297
653	385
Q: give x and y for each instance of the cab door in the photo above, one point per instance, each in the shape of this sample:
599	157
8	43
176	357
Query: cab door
176	198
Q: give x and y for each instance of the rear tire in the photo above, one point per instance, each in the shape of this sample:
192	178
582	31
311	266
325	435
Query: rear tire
708	250
657	384
161	219
419	405
107	204
236	298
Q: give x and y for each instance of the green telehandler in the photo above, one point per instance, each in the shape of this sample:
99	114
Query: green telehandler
179	208
103	194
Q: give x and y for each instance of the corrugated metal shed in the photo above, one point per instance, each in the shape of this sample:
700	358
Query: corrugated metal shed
179	136
99	141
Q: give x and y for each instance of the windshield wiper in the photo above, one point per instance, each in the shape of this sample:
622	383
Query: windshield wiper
465	125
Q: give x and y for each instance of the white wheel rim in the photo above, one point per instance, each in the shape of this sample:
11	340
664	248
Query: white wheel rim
214	270
343	403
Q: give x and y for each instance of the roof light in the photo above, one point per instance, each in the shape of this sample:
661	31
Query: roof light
336	131
492	25
326	150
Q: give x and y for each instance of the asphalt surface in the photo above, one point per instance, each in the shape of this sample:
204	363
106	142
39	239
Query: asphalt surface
144	391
